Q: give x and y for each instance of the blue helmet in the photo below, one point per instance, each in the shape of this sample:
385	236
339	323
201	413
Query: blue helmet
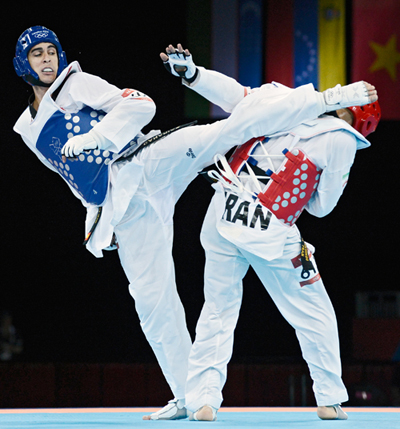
28	39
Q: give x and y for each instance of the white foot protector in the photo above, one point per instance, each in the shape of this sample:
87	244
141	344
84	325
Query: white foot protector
340	97
174	410
332	412
207	413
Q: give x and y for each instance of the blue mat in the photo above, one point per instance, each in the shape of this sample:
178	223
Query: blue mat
132	418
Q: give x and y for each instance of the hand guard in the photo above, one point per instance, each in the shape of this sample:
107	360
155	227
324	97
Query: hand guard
340	97
181	65
77	144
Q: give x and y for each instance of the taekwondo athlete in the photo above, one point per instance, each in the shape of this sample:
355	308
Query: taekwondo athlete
259	194
89	132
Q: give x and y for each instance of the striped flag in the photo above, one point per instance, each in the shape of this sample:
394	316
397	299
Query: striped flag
331	43
227	36
306	42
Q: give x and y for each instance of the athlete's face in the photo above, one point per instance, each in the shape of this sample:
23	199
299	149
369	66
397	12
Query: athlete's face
43	59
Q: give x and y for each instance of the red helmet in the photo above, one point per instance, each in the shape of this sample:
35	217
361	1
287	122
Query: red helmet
366	118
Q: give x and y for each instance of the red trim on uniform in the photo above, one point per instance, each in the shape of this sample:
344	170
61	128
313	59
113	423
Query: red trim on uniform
296	261
144	98
127	92
311	281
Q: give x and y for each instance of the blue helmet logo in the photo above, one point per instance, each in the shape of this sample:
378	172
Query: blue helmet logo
28	39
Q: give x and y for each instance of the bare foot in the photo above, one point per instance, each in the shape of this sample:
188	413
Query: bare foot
205	414
334	412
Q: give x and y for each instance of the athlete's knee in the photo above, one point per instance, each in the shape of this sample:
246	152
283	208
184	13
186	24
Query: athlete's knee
155	299
146	298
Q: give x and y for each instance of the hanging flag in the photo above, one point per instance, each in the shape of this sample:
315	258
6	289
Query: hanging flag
237	43
331	43
376	50
226	36
306	42
212	36
199	44
250	42
224	43
279	58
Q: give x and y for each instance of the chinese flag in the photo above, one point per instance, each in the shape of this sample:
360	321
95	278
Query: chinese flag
376	50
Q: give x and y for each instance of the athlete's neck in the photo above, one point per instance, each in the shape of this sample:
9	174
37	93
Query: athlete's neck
39	92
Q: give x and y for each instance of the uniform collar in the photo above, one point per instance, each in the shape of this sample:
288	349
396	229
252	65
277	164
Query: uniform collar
30	104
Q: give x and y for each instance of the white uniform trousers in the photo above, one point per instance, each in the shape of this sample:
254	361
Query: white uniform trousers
145	233
307	308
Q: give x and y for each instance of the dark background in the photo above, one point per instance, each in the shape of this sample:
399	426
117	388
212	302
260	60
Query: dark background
72	307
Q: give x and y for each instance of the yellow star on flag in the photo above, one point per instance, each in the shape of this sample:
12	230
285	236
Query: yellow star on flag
387	57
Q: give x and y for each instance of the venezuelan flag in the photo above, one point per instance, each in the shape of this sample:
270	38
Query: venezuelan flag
306	42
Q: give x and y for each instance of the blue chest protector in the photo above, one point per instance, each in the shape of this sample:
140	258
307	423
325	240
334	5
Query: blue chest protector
89	174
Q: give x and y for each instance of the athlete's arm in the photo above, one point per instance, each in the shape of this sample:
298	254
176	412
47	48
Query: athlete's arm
342	150
128	111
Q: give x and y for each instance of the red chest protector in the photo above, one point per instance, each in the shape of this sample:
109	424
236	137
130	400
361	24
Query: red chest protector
290	188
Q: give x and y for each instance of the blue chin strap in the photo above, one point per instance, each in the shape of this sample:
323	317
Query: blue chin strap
28	39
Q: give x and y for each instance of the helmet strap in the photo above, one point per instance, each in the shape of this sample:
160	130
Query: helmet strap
36	82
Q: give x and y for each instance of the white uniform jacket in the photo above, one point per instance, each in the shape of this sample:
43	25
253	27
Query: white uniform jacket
127	112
